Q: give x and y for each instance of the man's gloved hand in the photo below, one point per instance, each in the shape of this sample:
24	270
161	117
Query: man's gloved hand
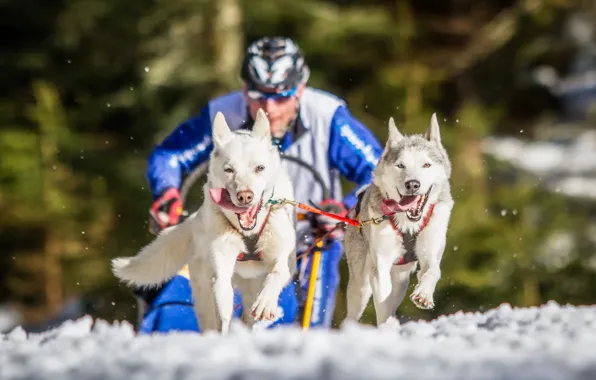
327	223
166	211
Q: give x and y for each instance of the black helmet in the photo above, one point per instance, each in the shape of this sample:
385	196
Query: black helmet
274	63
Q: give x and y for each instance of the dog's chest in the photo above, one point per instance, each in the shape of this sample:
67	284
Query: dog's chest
250	269
408	238
249	263
251	251
252	242
409	245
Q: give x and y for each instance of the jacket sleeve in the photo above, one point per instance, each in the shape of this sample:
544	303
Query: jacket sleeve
353	150
180	153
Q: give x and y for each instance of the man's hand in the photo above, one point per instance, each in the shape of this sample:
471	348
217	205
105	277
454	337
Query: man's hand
327	223
166	211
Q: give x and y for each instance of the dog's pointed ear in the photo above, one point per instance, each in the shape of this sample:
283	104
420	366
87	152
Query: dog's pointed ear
261	128
433	133
394	134
221	131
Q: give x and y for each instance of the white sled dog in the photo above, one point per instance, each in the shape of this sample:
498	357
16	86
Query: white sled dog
236	238
410	190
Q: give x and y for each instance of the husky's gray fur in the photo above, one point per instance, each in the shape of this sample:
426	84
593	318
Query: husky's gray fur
373	250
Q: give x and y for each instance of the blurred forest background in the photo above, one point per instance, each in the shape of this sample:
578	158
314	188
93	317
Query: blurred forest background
89	86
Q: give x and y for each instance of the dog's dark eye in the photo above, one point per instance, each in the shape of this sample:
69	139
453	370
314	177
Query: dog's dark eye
259	168
427	165
401	166
229	170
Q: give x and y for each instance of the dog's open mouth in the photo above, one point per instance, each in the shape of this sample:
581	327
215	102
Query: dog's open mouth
247	216
412	205
415	213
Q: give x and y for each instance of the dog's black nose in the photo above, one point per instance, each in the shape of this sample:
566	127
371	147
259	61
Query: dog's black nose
245	197
412	186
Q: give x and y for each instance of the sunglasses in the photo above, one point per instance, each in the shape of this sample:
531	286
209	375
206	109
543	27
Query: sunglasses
261	96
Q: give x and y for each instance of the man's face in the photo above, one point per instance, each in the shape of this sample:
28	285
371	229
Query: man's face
280	109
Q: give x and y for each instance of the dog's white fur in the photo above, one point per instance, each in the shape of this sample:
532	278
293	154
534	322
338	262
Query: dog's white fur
372	252
211	238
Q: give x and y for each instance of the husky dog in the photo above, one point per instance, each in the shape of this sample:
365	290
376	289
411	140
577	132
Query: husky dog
236	238
411	197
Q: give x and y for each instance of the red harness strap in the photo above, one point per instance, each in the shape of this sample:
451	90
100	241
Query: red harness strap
241	255
424	223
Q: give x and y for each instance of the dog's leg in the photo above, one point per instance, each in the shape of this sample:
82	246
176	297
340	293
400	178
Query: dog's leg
400	278
383	252
382	288
358	295
277	252
386	308
400	275
265	306
359	289
224	260
429	249
249	287
201	279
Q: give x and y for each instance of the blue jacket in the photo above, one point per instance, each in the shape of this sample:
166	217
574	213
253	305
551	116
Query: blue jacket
326	135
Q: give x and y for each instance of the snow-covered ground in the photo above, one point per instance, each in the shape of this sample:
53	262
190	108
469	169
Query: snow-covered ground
9	317
550	342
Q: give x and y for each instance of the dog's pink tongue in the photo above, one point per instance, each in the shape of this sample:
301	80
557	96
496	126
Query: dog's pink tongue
391	206
221	197
217	195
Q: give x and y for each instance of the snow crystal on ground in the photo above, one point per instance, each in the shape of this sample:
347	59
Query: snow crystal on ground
549	342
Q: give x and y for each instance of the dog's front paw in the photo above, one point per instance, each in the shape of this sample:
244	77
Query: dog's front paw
265	307
422	299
